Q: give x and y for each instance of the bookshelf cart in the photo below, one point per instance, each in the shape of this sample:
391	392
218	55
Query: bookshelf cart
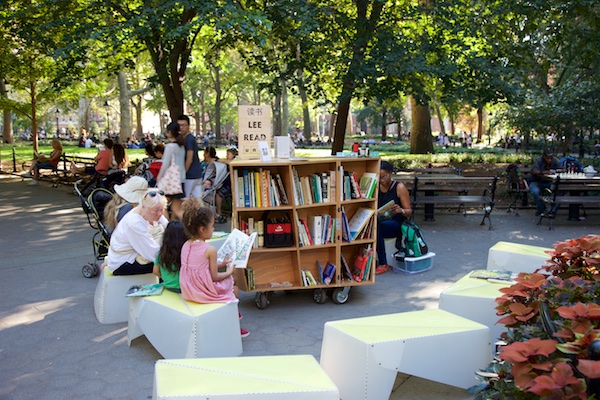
283	268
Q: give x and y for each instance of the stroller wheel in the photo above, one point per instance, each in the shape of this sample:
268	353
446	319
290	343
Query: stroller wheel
88	270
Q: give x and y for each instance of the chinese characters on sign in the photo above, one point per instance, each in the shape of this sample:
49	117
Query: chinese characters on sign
254	125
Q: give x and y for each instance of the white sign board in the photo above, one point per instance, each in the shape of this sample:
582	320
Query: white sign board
254	125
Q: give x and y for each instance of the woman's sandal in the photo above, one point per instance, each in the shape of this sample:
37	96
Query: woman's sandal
382	269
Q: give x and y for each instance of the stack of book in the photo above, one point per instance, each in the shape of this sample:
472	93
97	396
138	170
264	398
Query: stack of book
359	226
314	188
259	188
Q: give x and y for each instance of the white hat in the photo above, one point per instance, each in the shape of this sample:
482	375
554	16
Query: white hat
133	190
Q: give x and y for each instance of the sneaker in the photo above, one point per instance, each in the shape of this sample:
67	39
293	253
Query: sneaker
33	183
221	219
382	269
244	332
26	175
240	316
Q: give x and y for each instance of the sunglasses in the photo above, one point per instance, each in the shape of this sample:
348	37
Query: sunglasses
154	193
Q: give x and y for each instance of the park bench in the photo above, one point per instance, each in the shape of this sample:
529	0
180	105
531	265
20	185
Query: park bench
427	192
575	193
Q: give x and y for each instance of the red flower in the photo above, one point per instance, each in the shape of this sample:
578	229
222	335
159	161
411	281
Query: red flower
589	368
523	351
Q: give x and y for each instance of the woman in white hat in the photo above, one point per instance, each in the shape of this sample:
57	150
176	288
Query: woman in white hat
132	245
127	196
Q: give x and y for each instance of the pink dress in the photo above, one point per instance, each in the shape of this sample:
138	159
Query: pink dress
195	280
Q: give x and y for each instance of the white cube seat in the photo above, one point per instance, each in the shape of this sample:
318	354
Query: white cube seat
363	355
390	249
181	329
110	303
475	299
515	257
295	377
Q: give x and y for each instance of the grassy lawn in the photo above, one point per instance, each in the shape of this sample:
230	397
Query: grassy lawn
397	154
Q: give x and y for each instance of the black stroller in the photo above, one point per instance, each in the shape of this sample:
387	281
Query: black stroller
93	206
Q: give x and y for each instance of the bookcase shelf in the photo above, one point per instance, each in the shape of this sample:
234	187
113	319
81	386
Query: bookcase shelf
310	197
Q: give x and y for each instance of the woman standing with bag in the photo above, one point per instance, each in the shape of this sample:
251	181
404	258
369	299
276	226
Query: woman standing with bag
174	154
401	210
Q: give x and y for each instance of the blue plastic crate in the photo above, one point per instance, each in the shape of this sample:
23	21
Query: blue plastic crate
414	265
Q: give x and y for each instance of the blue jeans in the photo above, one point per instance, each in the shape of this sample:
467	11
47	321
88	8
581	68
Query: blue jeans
536	188
386	229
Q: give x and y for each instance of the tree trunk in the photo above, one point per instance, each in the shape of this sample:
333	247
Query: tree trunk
138	116
384	126
125	98
305	112
7	131
285	111
277	115
420	136
479	124
34	127
218	100
438	112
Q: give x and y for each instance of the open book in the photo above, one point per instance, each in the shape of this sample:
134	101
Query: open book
149	289
238	246
385	211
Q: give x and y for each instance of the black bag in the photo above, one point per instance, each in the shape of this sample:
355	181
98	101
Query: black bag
278	231
411	243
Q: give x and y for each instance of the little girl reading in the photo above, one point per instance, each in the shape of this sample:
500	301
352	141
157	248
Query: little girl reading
200	278
168	259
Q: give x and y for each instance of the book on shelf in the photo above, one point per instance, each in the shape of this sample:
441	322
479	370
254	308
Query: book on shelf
309	278
298	195
367	269
281	189
260	233
303	235
341	182
307	230
328	273
238	247
368	184
345	269
354	187
149	289
315	226
250	278
306	190
360	263
246	181
325	197
345	227
275	196
359	221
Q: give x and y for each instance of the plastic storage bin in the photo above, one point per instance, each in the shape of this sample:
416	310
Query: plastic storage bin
414	265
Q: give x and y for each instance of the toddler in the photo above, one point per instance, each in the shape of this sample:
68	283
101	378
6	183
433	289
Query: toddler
168	259
200	278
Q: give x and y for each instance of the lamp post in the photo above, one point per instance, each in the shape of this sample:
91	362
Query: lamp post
57	112
107	107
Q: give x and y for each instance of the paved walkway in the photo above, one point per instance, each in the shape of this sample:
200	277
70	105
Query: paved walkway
52	347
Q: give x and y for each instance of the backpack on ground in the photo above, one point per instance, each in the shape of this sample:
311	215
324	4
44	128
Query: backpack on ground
411	243
515	177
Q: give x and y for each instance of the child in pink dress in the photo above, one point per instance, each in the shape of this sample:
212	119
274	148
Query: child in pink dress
200	278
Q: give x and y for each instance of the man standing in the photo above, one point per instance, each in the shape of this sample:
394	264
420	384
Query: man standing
193	174
544	165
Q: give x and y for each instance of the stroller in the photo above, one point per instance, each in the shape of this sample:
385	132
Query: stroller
93	206
209	195
102	181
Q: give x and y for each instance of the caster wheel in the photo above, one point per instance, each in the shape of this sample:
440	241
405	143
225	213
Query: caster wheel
96	270
88	271
340	296
261	300
319	296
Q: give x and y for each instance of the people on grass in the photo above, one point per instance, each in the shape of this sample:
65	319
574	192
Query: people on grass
133	248
202	278
44	162
390	227
168	260
193	175
174	153
543	165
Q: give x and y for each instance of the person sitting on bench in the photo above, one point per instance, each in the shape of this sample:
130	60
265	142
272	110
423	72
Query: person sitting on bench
43	162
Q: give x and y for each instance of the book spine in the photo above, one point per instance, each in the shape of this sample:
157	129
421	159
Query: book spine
281	188
355	188
260	229
246	178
